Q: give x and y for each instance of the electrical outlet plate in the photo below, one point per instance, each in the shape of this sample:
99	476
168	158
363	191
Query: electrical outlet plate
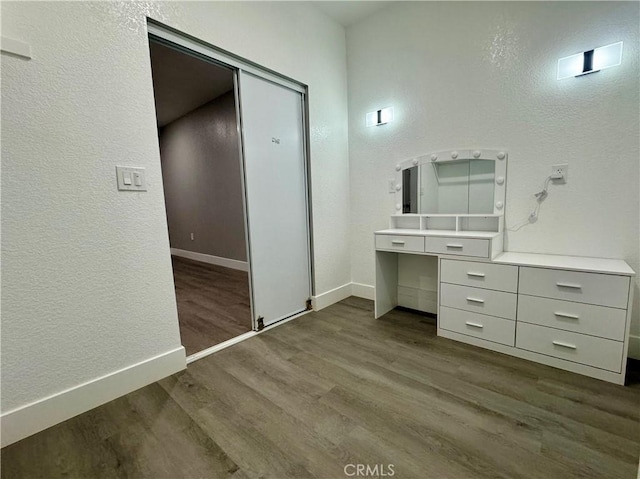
560	170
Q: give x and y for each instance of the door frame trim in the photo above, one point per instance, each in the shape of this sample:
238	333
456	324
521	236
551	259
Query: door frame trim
162	33
166	33
238	339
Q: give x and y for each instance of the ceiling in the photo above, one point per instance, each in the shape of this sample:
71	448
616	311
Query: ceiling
348	13
182	83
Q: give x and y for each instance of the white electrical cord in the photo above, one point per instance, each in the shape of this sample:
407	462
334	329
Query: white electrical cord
533	216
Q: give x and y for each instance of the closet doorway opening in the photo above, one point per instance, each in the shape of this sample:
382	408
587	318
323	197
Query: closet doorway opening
238	180
202	178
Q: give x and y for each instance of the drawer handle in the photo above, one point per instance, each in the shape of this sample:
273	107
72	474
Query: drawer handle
475	300
474	325
398	242
569	285
566	315
475	275
564	345
454	245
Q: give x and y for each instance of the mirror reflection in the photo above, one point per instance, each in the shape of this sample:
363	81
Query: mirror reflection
449	187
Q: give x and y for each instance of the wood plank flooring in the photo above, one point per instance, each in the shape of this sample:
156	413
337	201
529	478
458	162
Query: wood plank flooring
337	387
213	303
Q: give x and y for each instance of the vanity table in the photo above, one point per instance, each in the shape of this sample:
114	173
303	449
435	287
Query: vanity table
568	312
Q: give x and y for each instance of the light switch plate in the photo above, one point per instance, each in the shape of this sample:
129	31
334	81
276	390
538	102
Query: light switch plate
135	178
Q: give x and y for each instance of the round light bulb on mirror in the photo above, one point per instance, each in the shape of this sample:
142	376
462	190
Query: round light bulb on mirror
398	167
476	154
499	205
500	180
415	161
501	155
454	154
398	187
398	206
434	157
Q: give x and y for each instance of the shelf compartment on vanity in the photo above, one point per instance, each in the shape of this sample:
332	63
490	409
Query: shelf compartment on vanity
609	323
601	289
490	328
440	222
477	300
457	246
400	243
448	222
480	275
406	221
579	348
480	223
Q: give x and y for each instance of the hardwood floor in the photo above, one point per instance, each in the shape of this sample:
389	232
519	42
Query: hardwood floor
213	303
337	387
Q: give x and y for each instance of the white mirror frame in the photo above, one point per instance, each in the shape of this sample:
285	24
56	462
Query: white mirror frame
499	156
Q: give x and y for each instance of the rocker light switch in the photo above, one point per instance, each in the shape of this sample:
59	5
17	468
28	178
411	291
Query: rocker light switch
130	178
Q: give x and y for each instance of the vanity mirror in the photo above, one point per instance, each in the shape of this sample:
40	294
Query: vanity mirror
459	182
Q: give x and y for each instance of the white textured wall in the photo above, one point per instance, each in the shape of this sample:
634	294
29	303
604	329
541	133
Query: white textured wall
86	276
483	74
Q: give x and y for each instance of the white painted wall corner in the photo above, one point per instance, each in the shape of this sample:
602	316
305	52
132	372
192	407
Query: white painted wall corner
335	295
365	291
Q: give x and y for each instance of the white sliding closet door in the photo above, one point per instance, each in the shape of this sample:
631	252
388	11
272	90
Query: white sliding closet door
276	192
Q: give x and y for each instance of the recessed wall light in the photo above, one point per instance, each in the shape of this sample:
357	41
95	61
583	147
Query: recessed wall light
380	117
590	61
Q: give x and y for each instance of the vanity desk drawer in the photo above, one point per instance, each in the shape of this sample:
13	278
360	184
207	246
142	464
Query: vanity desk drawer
481	275
458	246
483	301
579	348
581	318
400	243
601	289
481	326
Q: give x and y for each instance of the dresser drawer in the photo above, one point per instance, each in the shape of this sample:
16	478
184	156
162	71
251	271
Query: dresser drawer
490	328
579	348
458	246
482	275
578	317
592	288
400	243
484	301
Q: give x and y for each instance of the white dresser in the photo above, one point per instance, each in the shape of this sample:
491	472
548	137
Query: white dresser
569	312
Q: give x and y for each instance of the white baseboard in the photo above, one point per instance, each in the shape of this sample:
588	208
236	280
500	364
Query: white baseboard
323	300
207	258
44	413
220	346
363	291
634	346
